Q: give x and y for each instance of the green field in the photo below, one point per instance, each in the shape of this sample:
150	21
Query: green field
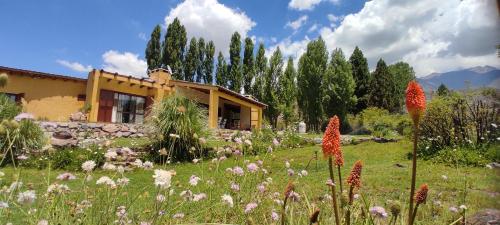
382	180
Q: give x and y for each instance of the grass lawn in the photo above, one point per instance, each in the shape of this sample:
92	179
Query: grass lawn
382	180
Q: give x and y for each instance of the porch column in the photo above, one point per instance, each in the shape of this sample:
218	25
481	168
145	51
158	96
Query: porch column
259	121
92	94
213	109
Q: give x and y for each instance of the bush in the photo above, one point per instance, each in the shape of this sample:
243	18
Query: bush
461	157
179	126
65	159
8	108
380	123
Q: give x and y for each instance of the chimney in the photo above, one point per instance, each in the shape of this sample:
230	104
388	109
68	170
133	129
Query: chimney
160	75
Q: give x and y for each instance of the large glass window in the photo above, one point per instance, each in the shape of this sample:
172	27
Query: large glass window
128	108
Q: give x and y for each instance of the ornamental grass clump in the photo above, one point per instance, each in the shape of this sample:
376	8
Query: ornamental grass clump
415	104
179	127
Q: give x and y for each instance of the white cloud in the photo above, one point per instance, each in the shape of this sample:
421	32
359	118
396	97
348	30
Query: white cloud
289	48
212	21
78	67
296	24
431	36
313	28
308	4
124	63
142	36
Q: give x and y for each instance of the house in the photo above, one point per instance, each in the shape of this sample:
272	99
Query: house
118	98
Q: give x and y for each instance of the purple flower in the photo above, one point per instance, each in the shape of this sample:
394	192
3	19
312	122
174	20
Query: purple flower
261	188
329	182
238	171
199	197
235	187
294	196
193	180
276	142
250	206
275	216
290	172
252	167
378	211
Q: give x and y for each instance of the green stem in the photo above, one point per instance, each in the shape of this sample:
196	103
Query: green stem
283	212
340	180
414	214
334	196
351	199
413	172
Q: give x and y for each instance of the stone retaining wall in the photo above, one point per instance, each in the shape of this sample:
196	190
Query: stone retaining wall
83	134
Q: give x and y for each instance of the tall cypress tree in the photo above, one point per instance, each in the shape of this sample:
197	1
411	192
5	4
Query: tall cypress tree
312	67
221	76
153	49
402	73
361	75
338	87
191	63
209	63
381	87
272	75
260	69
200	70
235	63
174	47
248	66
288	92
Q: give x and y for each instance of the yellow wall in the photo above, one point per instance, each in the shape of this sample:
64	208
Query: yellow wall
47	98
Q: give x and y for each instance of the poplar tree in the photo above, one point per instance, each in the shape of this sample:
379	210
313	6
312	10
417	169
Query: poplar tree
174	48
153	49
338	87
288	92
443	90
260	69
235	63
200	70
208	63
191	63
361	75
221	71
312	67
381	87
272	75
248	66
402	73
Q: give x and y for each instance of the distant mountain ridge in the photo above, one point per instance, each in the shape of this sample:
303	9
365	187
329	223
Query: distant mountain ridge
475	77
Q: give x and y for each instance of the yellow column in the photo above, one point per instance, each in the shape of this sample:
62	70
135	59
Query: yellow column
92	93
213	109
259	122
160	93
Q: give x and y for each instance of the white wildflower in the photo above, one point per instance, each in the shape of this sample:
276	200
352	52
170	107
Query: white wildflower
27	197
88	166
228	200
163	178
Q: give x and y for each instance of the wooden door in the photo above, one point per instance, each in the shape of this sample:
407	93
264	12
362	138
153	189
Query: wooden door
105	112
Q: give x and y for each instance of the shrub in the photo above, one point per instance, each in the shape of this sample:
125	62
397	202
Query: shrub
178	126
461	157
65	159
380	123
8	108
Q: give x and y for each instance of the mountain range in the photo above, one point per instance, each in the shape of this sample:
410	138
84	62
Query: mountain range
475	77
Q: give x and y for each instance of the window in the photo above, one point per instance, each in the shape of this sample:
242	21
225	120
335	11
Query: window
128	108
14	97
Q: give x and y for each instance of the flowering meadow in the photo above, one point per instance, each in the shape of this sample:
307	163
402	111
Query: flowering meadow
242	189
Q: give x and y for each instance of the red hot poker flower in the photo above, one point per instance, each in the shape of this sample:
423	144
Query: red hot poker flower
339	158
421	194
354	178
415	101
331	139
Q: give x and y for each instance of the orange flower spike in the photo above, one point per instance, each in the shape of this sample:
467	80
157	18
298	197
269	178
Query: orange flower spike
354	178
415	101
421	194
331	139
339	158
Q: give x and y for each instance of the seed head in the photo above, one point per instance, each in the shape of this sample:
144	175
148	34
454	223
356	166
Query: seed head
421	194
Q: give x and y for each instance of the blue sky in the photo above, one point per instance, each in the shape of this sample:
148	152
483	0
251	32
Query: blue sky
70	37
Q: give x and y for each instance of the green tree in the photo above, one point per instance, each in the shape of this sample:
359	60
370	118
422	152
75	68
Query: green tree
209	63
191	63
288	92
338	87
174	47
235	63
402	73
443	90
312	67
272	75
260	69
200	70
221	76
382	87
153	49
248	66
361	75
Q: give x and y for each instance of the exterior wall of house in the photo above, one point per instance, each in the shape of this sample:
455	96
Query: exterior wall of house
47	98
